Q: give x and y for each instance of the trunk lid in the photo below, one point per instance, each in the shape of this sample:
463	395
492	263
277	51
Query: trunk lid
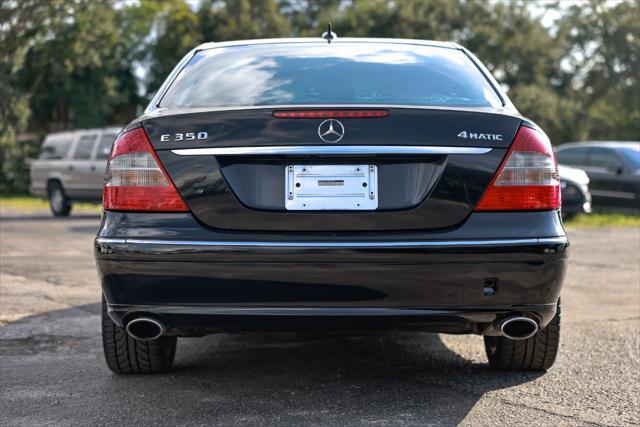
244	189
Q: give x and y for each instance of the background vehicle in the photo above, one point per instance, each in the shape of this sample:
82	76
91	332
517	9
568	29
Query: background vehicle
71	167
613	168
576	197
362	184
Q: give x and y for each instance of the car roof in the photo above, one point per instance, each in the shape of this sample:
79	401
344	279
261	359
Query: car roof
607	144
337	40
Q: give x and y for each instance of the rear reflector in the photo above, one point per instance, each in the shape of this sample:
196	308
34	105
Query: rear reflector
528	177
135	180
330	114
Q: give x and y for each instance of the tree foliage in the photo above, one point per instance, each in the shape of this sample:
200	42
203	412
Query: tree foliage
83	63
602	54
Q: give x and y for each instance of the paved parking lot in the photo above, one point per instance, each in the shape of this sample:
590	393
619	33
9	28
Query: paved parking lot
51	367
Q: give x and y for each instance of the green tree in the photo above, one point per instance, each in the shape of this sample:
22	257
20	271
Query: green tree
309	18
65	64
22	24
602	68
179	28
222	20
81	74
175	31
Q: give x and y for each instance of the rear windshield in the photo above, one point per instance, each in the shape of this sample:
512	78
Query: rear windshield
339	73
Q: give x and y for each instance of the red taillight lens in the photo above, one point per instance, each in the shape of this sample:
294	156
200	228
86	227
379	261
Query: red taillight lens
528	177
330	114
135	179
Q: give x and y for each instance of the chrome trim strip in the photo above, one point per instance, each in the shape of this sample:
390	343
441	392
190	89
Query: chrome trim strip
407	244
301	150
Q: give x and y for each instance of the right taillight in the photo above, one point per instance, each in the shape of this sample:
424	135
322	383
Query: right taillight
135	180
528	177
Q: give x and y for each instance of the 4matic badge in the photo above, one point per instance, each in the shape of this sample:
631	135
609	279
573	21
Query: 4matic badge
478	136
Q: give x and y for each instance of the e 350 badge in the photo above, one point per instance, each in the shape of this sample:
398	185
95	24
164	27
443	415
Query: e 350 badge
189	136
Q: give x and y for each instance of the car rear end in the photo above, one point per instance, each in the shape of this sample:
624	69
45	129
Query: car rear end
352	186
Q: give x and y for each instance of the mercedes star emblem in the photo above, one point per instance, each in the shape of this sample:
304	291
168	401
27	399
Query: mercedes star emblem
331	130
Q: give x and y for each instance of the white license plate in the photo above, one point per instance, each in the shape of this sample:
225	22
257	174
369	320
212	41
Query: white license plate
331	187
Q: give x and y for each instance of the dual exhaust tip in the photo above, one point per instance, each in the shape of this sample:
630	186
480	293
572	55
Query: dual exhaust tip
145	329
518	327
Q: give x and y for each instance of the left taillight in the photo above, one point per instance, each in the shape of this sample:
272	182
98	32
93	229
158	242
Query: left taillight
135	180
528	177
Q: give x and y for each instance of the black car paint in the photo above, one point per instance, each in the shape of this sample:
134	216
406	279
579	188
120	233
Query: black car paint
208	287
342	270
404	126
212	199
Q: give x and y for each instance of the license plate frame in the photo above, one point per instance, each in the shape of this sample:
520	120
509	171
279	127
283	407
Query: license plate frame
331	187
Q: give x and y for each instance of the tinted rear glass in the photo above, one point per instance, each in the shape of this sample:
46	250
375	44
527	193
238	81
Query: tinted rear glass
339	73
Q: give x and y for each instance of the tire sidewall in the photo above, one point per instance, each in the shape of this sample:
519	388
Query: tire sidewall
58	201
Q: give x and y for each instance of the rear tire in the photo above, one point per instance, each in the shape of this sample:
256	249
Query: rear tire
537	353
125	355
58	200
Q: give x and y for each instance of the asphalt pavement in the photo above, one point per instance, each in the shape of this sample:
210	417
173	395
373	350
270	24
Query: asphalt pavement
52	369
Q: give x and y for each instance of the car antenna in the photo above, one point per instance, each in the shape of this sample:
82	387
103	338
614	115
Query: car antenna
329	35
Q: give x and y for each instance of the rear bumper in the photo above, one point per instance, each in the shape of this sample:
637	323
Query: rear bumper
196	320
453	281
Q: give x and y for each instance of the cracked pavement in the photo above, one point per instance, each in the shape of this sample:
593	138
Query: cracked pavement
52	371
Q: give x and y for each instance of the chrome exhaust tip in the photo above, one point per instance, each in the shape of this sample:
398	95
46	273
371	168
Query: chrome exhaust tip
518	327
145	329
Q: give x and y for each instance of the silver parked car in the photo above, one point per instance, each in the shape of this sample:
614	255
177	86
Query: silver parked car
71	167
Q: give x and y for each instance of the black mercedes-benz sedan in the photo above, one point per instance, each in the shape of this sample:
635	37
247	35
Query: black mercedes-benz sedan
331	185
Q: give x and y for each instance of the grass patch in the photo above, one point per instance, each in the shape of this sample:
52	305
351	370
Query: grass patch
32	203
604	220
